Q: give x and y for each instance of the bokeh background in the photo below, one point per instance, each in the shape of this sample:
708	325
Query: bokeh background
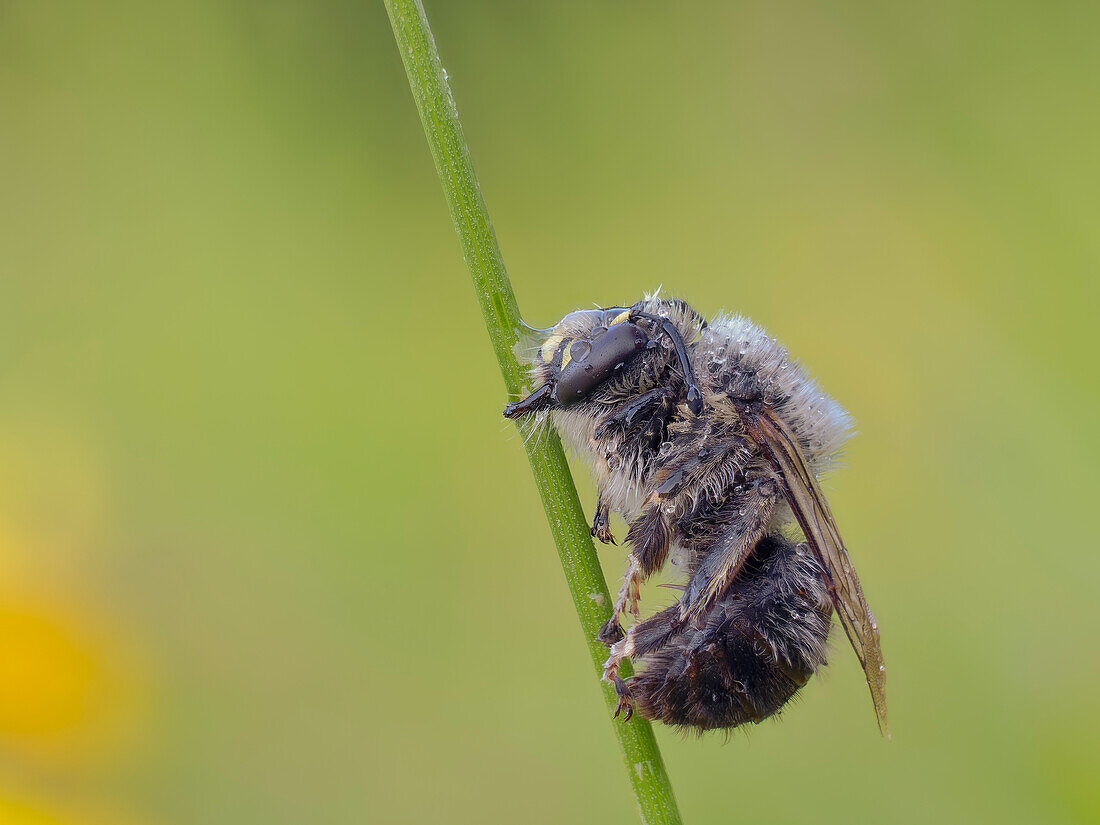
268	552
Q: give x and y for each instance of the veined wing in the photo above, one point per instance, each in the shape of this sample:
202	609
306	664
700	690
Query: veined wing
817	522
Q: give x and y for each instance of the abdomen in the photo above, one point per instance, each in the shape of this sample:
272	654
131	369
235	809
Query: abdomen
759	644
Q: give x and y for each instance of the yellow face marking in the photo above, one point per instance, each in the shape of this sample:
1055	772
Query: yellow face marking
622	316
550	347
567	356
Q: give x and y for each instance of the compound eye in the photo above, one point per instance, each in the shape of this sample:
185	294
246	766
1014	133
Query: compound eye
587	364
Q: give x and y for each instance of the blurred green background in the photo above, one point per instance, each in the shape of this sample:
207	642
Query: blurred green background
268	553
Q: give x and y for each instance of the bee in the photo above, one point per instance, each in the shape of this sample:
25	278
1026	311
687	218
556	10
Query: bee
709	441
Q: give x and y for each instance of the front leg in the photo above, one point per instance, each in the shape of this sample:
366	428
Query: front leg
645	416
601	521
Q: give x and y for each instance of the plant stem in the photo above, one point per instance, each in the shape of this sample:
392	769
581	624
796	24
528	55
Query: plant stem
432	93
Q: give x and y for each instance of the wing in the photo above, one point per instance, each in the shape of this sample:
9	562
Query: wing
816	519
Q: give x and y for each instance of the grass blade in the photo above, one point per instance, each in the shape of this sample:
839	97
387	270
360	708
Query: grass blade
430	89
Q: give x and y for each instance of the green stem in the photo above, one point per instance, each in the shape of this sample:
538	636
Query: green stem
644	766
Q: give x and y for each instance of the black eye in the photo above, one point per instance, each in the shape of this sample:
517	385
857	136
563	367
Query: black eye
590	364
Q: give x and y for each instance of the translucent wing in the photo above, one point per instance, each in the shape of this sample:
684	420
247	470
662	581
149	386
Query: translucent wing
816	519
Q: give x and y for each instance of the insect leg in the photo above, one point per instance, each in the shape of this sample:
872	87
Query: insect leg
601	521
625	602
650	536
642	420
750	510
622	649
642	638
655	632
625	415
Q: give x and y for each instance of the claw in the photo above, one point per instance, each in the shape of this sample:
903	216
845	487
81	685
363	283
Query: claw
611	632
603	533
624	700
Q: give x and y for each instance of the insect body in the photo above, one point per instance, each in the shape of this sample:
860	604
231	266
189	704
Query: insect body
708	440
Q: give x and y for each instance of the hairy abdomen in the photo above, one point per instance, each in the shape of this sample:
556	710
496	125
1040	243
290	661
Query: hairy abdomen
758	645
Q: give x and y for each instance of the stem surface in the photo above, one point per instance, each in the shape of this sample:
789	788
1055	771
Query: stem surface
644	766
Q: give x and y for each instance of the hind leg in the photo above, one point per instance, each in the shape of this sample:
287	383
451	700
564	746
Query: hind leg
622	649
642	638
